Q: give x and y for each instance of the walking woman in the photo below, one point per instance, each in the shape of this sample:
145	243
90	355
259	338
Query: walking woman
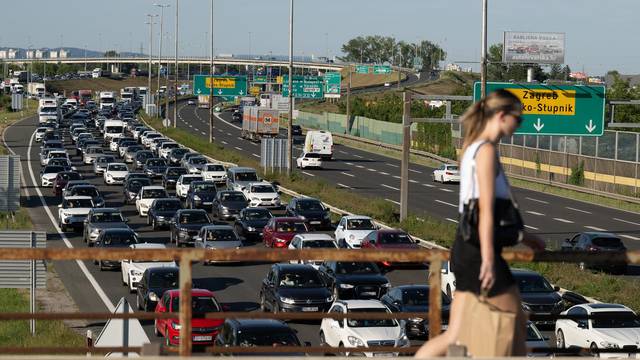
478	266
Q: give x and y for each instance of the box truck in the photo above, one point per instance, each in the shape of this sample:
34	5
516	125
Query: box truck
259	122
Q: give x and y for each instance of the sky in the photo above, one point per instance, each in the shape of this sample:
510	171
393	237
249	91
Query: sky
600	35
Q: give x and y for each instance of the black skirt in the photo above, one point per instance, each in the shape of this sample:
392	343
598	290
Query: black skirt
465	264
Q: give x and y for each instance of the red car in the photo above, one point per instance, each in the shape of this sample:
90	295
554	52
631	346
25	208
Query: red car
203	331
62	179
279	231
390	239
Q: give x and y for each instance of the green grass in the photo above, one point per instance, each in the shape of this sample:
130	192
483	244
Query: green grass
8	117
20	221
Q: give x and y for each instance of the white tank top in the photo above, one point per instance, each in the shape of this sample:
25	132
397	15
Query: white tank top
469	188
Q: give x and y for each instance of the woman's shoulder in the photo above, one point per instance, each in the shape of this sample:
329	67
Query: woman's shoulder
478	146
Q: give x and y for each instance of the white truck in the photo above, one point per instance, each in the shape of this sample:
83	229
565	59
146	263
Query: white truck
319	142
203	101
35	90
113	129
107	99
128	93
96	73
47	110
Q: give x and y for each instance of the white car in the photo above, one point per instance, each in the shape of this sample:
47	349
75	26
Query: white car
145	197
40	133
599	334
115	173
352	229
214	172
191	102
182	185
349	333
261	194
387	84
55	154
73	211
446	173
447	279
309	160
146	138
132	270
48	175
166	147
213	237
311	241
91	153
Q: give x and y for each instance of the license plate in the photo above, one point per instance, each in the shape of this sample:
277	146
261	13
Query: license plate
310	308
369	293
202	338
207	203
314	222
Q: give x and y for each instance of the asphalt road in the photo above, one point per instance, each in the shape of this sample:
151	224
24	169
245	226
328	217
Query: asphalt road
93	290
552	217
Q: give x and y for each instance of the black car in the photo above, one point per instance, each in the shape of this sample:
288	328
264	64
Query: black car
354	280
296	130
88	190
228	204
171	175
258	332
251	221
312	210
154	282
294	288
131	188
141	158
162	211
201	194
597	242
175	155
538	296
155	167
237	115
186	225
415	298
114	239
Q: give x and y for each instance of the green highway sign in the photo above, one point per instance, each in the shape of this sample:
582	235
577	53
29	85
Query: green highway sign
569	110
381	69
332	84
223	85
362	69
304	87
260	79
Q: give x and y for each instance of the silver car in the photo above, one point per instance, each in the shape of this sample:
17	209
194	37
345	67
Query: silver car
196	164
217	237
101	162
91	153
100	219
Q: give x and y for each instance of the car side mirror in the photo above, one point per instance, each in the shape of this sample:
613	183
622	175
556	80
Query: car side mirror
444	271
582	325
556	288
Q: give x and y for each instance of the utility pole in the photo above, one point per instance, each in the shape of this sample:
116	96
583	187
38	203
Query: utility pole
212	72
175	83
483	56
161	6
406	146
290	122
150	51
346	126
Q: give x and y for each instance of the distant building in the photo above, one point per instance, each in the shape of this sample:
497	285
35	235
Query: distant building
39	54
62	53
3	54
53	54
453	67
12	53
634	80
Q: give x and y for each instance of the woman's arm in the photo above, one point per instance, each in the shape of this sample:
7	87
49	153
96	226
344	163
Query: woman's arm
486	171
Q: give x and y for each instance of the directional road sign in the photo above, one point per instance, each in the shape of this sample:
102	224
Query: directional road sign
260	79
362	69
382	69
332	84
571	110
304	87
223	85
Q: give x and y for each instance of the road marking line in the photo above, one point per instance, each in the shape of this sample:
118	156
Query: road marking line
578	210
446	190
358	156
344	186
625	221
392	165
348	163
393	201
350	175
563	220
536	200
342	152
534	213
101	294
446	203
306	173
254	144
238	148
224	142
229	134
531	227
203	133
226	122
429	185
384	173
256	155
372	170
191	126
390	187
595	228
360	166
396	176
413	181
415	171
452	220
630	237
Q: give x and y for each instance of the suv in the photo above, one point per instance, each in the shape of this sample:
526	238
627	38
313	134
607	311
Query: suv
294	288
311	210
100	219
262	194
186	225
538	295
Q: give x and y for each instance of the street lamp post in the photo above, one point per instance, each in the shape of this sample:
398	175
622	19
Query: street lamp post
175	83
212	71
150	22
161	6
290	122
483	56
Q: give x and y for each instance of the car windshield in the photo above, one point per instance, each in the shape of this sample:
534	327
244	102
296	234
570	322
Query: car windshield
120	237
106	160
154	193
69	176
533	284
168	205
113	129
156	162
205	188
194	218
266	338
360	224
95	150
232	197
533	334
170	145
79	203
176	171
134	148
309	206
215	168
300	279
53	169
221	235
198	160
312	156
257	214
57	155
262	189
371	323
179	152
318	244
394	238
144	155
86	191
613	319
607	242
109	217
353	267
291	227
189	179
199	304
246	176
117	167
452	168
164	280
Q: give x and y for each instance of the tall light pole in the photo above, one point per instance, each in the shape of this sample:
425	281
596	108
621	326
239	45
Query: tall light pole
290	122
161	6
249	44
85	58
326	44
483	56
150	22
175	83
212	71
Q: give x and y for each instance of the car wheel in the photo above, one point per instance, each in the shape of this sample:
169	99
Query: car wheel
148	220
560	340
154	226
593	349
342	352
582	266
138	305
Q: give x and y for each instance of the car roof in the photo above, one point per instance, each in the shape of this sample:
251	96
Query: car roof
519	271
247	324
148	246
353	217
194	292
117	163
293	267
182	211
307	199
83	185
315	236
603	307
152	187
362	304
218	227
598	234
391	231
242	169
105	210
121	230
287	219
162	268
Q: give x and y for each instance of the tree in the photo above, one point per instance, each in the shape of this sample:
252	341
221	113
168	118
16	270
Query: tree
556	72
111	53
380	49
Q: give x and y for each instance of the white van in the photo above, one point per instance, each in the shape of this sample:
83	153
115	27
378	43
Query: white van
319	142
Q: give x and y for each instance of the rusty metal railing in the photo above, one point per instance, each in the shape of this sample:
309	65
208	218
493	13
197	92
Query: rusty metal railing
186	257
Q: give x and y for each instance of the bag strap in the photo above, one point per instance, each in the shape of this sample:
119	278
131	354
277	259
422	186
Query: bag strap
473	171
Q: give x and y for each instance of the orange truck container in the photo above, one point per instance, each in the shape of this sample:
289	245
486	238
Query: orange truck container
260	122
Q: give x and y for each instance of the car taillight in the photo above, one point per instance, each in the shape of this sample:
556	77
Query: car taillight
448	173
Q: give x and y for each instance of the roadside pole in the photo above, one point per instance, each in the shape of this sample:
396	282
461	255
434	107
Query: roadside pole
290	122
346	126
483	56
406	145
175	83
212	72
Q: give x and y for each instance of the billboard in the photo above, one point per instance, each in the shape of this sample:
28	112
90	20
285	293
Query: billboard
533	47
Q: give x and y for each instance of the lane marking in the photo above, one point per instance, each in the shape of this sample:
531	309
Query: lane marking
256	155
350	175
534	213
360	166
563	220
578	210
252	143
358	156
238	148
452	220
626	221
342	152
372	170
429	185
392	165
531	227
446	203
348	163
446	190
413	181
390	187
397	177
224	142
344	186
415	171
203	133
229	134
384	173
630	237
306	173
536	200
392	201
595	228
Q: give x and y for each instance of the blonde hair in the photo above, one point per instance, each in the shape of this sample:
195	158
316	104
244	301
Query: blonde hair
475	119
